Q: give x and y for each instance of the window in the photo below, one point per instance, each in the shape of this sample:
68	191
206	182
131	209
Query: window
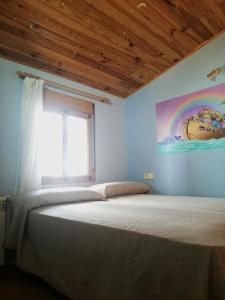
67	139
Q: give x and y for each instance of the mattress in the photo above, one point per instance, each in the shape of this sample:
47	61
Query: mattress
132	247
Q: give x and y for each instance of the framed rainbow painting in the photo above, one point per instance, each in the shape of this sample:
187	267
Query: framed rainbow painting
194	121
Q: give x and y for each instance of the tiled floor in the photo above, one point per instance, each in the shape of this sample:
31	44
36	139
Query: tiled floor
16	285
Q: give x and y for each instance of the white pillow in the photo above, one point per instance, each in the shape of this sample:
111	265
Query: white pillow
113	189
58	195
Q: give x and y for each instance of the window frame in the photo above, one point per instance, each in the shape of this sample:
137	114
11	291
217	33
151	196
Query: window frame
71	110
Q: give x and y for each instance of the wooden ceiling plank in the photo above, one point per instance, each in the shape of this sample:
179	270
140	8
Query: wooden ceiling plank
39	19
211	27
153	59
53	25
33	33
28	61
17	36
152	19
206	17
194	36
73	18
221	8
112	10
146	53
127	16
184	41
99	33
214	11
201	9
151	70
178	40
63	63
171	22
118	57
44	18
169	12
92	17
111	45
37	26
158	30
188	12
49	40
196	25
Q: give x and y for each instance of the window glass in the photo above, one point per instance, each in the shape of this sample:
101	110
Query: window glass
52	144
67	148
77	147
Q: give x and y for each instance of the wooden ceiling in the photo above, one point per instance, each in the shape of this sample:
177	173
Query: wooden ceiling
113	45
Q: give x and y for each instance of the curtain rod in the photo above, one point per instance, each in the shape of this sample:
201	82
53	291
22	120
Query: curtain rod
63	87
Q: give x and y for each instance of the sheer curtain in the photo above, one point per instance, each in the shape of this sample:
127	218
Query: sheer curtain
29	173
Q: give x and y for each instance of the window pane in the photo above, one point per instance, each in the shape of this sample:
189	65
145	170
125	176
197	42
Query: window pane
77	146
52	144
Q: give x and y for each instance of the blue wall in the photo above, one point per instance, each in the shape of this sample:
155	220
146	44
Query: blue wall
194	173
10	91
110	135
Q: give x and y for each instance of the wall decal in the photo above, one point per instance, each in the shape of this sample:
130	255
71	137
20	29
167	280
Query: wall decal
194	121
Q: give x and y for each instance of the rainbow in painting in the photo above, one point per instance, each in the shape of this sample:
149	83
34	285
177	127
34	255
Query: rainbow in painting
194	121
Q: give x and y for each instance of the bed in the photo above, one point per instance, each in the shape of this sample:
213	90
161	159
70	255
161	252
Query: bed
134	247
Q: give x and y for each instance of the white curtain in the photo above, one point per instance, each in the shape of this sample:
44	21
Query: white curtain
29	175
